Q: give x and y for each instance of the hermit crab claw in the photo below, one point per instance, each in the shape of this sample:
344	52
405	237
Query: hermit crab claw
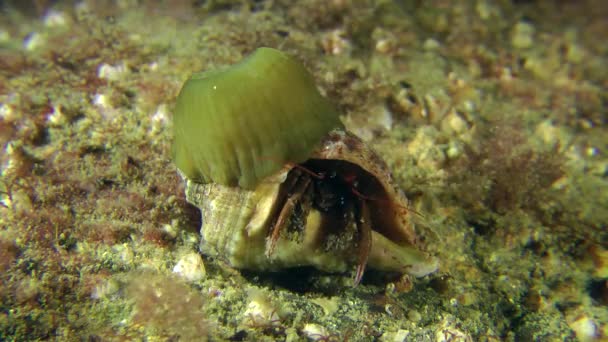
326	199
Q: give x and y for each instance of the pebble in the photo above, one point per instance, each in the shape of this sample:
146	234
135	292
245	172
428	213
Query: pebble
190	267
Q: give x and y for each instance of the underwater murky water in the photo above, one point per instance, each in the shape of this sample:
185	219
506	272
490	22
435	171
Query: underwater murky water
490	115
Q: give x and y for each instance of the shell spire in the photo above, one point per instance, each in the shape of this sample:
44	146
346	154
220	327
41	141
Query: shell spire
241	124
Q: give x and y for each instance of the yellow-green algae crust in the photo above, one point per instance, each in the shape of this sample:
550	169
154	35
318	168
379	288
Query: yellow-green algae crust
239	125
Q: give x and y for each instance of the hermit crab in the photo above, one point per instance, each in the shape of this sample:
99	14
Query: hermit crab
280	182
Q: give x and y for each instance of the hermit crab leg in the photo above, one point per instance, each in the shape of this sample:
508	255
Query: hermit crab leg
365	240
300	188
290	182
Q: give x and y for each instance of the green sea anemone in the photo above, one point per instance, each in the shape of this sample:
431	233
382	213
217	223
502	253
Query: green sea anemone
238	125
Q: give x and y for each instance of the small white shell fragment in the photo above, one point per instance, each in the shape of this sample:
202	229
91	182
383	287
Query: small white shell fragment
328	304
334	42
159	119
448	332
414	316
105	289
7	113
584	328
55	19
56	117
101	100
431	44
20	202
124	252
522	36
454	150
4	36
454	123
33	41
425	149
111	72
314	332
161	116
190	267
260	309
550	134
384	45
397	336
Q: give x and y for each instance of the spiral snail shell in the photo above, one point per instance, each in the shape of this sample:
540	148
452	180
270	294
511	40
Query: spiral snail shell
279	181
